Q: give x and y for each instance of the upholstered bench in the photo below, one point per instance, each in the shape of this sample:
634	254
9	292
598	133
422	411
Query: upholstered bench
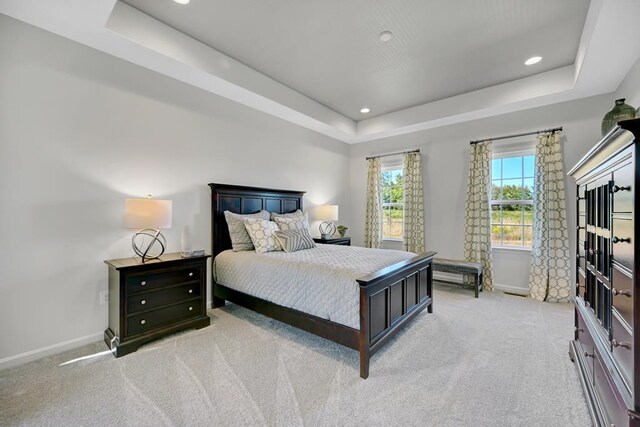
461	267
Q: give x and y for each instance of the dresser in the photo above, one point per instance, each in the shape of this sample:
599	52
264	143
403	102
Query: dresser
151	300
607	301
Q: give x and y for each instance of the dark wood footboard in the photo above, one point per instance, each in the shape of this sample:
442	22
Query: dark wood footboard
388	299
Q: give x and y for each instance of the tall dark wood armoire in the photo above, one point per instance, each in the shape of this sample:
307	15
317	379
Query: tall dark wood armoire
607	302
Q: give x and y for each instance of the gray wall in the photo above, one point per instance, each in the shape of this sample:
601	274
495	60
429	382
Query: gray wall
80	132
445	154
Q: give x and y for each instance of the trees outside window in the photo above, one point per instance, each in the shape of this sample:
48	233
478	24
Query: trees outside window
512	195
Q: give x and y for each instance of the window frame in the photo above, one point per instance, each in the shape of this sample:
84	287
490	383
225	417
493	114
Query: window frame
510	154
384	168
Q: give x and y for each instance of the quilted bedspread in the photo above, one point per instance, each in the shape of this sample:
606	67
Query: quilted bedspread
319	281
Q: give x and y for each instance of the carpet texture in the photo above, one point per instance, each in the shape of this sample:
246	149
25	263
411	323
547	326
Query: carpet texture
499	360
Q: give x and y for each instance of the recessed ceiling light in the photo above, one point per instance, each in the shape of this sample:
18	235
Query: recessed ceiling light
364	110
533	60
182	1
385	36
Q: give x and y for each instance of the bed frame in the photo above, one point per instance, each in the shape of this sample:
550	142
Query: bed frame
389	298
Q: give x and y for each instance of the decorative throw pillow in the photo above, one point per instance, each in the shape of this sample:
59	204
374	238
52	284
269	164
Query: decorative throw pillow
240	240
295	240
261	233
291	221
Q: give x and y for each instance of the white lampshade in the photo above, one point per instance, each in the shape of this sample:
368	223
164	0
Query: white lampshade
327	213
147	213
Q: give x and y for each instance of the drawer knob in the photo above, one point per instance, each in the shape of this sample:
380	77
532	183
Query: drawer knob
190	274
619	240
617	343
587	354
190	308
143	302
190	291
578	329
593	252
143	283
626	293
142	322
617	188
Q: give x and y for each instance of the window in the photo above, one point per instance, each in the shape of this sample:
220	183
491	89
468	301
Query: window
512	195
392	203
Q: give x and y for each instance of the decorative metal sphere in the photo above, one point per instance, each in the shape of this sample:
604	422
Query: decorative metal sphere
148	243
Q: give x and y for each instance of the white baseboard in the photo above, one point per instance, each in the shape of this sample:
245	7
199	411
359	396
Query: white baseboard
512	289
457	278
19	359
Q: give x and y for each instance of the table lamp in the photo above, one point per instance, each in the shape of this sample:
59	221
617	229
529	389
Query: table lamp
148	216
327	214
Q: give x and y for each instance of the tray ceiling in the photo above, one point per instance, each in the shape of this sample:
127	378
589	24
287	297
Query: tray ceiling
330	51
316	63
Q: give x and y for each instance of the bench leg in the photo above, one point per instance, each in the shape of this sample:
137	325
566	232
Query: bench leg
481	283
477	283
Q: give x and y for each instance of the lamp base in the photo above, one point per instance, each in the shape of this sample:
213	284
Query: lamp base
327	229
151	250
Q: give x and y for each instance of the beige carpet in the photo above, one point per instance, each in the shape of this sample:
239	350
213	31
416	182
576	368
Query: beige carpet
495	361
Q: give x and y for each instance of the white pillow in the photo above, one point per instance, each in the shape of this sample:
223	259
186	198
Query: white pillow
291	221
240	240
262	235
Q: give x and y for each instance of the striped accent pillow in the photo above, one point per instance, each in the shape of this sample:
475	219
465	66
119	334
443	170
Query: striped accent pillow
295	240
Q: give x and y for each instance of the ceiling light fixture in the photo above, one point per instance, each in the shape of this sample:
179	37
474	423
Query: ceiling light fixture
182	1
385	36
533	60
364	110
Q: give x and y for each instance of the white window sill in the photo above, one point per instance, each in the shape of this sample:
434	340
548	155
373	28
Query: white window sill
392	240
511	248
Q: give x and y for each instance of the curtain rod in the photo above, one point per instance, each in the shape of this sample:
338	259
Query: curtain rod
516	135
393	154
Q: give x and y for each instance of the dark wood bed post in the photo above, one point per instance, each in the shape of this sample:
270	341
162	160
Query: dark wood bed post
364	335
389	298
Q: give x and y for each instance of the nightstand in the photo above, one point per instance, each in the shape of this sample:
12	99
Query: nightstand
151	300
344	241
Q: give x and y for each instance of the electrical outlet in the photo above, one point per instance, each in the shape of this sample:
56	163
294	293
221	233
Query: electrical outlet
104	297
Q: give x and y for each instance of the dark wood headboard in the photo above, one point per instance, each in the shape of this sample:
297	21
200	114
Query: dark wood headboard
245	200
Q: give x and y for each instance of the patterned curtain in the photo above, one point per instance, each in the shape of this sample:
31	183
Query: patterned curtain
477	222
413	237
549	278
373	220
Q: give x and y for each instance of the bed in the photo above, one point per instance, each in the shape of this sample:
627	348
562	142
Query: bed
386	299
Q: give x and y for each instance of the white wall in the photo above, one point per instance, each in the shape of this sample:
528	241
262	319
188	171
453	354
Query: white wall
80	132
445	154
630	87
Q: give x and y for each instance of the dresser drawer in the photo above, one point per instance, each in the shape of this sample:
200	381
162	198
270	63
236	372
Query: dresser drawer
150	300
146	322
622	347
158	279
621	243
615	410
586	342
623	198
623	295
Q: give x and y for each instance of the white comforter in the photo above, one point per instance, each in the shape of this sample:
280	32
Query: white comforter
319	281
